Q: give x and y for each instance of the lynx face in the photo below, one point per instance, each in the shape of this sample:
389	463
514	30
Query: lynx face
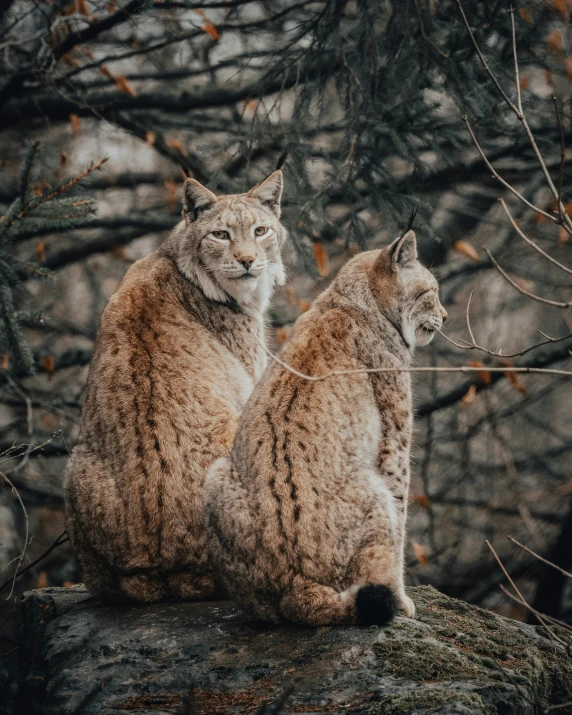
410	292
230	245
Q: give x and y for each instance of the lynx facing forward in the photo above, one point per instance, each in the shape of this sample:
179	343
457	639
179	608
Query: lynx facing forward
307	517
177	356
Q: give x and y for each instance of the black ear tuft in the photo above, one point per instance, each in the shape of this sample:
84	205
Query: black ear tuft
411	221
281	160
375	605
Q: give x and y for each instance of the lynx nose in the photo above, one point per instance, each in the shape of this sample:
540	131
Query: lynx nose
444	314
246	261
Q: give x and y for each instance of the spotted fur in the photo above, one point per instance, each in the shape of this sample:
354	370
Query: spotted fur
176	358
306	519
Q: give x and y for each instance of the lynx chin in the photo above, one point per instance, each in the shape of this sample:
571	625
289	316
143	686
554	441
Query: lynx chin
306	518
176	358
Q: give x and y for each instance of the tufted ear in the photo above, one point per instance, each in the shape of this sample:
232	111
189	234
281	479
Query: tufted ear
196	198
403	251
269	192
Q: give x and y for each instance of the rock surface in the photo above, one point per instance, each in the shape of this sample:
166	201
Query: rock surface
80	656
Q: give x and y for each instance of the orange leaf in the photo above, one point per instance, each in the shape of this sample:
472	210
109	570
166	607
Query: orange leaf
251	104
515	382
68	584
111	7
63	158
123	85
150	138
67	59
211	31
199	11
484	375
420	553
178	145
291	296
75	124
105	72
81	7
525	14
467	249
422	500
524	82
539	218
49	366
322	261
554	41
119	252
469	396
281	335
304	305
41	252
568	68
563	236
561	6
172	198
42	580
5	362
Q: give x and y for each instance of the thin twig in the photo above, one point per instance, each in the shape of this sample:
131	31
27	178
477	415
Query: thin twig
515	587
503	273
497	176
540	558
58	542
371	370
530	242
538	614
20	558
562	154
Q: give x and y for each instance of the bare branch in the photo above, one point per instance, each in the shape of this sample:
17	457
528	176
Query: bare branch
540	558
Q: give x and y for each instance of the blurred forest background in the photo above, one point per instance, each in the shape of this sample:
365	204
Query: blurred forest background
368	99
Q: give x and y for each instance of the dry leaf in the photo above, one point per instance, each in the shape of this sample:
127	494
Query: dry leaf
420	553
554	41
515	382
524	82
525	14
562	7
563	236
68	584
81	7
211	31
111	7
281	335
150	138
484	375
422	500
119	252
123	85
568	68
63	158
467	249
172	197
5	362
291	296
41	252
75	125
469	396
322	261
523	283
304	305
178	145
199	11
539	218
49	366
105	72
42	580
251	104
67	59
548	77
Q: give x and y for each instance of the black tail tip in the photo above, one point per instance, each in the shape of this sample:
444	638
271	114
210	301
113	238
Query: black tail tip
375	605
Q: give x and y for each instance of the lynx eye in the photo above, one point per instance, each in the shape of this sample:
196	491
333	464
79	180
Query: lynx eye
260	231
220	235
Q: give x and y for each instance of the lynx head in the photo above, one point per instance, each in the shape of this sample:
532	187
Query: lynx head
406	292
230	245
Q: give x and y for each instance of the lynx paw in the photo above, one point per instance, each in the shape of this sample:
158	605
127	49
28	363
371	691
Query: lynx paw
405	604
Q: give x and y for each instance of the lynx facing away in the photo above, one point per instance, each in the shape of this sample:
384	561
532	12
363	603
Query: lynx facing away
177	356
307	517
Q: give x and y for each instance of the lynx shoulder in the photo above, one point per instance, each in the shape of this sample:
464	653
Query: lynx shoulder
307	517
176	358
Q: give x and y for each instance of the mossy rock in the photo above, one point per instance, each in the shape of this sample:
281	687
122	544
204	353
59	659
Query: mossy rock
80	656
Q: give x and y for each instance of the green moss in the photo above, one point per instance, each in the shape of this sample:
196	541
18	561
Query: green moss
471	643
428	700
